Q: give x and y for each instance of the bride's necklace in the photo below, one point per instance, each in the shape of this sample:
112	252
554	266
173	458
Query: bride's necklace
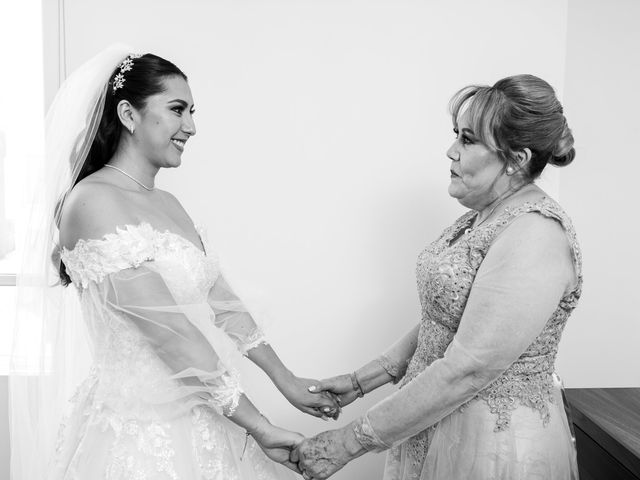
149	189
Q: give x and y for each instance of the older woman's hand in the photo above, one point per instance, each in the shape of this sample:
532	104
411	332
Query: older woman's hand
321	456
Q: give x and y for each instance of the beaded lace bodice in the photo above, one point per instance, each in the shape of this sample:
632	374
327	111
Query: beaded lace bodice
131	246
139	290
445	274
128	367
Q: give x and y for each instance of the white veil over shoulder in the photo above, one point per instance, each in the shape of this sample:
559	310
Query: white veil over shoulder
50	352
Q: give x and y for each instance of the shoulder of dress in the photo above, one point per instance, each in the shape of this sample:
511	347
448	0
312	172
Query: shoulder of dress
92	259
549	208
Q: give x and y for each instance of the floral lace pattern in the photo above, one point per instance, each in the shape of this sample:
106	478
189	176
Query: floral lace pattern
116	419
367	436
130	246
445	272
396	370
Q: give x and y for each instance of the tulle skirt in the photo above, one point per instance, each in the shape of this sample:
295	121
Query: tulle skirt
97	443
465	446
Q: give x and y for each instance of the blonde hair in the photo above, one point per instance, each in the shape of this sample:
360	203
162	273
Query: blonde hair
517	112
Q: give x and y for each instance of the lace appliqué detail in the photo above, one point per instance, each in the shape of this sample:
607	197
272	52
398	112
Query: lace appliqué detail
213	456
92	260
445	273
256	339
129	247
508	391
396	370
140	451
225	395
367	436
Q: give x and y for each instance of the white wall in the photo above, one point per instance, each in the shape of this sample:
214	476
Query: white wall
600	347
319	166
5	450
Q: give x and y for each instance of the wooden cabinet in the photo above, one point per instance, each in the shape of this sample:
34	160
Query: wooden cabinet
607	428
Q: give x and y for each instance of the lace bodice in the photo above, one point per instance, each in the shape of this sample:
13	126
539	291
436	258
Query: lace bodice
131	246
146	299
445	275
167	333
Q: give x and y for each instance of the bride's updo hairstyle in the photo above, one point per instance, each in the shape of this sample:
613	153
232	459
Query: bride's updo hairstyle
142	80
518	112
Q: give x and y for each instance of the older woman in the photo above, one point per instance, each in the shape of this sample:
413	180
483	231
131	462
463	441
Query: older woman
478	395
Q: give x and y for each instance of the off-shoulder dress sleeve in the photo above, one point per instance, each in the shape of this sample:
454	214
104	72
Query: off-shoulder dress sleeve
128	286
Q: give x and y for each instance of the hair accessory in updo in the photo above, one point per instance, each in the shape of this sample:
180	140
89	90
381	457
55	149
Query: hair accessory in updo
125	66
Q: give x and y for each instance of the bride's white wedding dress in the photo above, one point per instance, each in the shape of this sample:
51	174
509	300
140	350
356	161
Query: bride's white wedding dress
167	333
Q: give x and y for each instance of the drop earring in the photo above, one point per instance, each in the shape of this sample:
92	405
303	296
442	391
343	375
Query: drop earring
131	129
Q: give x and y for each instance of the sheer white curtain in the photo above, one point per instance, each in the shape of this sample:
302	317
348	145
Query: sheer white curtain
21	144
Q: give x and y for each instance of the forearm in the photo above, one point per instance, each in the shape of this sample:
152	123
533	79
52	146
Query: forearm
247	416
391	365
397	357
265	357
444	386
371	376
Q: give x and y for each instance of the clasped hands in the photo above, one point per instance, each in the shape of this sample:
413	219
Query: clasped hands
320	456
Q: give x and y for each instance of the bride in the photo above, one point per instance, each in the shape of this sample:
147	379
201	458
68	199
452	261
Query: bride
163	398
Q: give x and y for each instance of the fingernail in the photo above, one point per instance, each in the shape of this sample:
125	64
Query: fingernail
312	388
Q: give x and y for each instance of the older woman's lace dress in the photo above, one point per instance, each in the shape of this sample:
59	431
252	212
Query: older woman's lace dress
516	427
166	333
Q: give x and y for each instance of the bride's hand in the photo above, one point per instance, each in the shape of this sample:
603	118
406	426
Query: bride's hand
340	386
297	391
277	443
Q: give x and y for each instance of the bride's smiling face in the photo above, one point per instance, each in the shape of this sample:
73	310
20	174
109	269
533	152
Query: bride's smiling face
166	123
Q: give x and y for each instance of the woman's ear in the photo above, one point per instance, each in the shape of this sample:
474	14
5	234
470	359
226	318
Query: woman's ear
127	115
523	157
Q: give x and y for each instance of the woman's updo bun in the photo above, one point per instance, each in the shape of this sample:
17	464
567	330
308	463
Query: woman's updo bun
518	112
564	152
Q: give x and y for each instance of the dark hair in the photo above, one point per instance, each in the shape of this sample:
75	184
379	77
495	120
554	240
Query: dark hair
518	112
144	79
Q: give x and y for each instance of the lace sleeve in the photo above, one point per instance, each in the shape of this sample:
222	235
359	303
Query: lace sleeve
396	359
516	291
396	370
233	317
367	436
199	359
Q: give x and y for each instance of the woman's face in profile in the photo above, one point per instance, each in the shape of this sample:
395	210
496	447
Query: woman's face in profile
474	168
167	123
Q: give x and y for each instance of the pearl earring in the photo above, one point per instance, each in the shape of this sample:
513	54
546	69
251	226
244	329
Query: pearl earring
509	170
131	129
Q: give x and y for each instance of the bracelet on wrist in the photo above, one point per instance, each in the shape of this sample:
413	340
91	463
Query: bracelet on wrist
356	385
249	433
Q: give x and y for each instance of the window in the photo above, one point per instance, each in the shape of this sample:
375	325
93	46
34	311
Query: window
21	144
